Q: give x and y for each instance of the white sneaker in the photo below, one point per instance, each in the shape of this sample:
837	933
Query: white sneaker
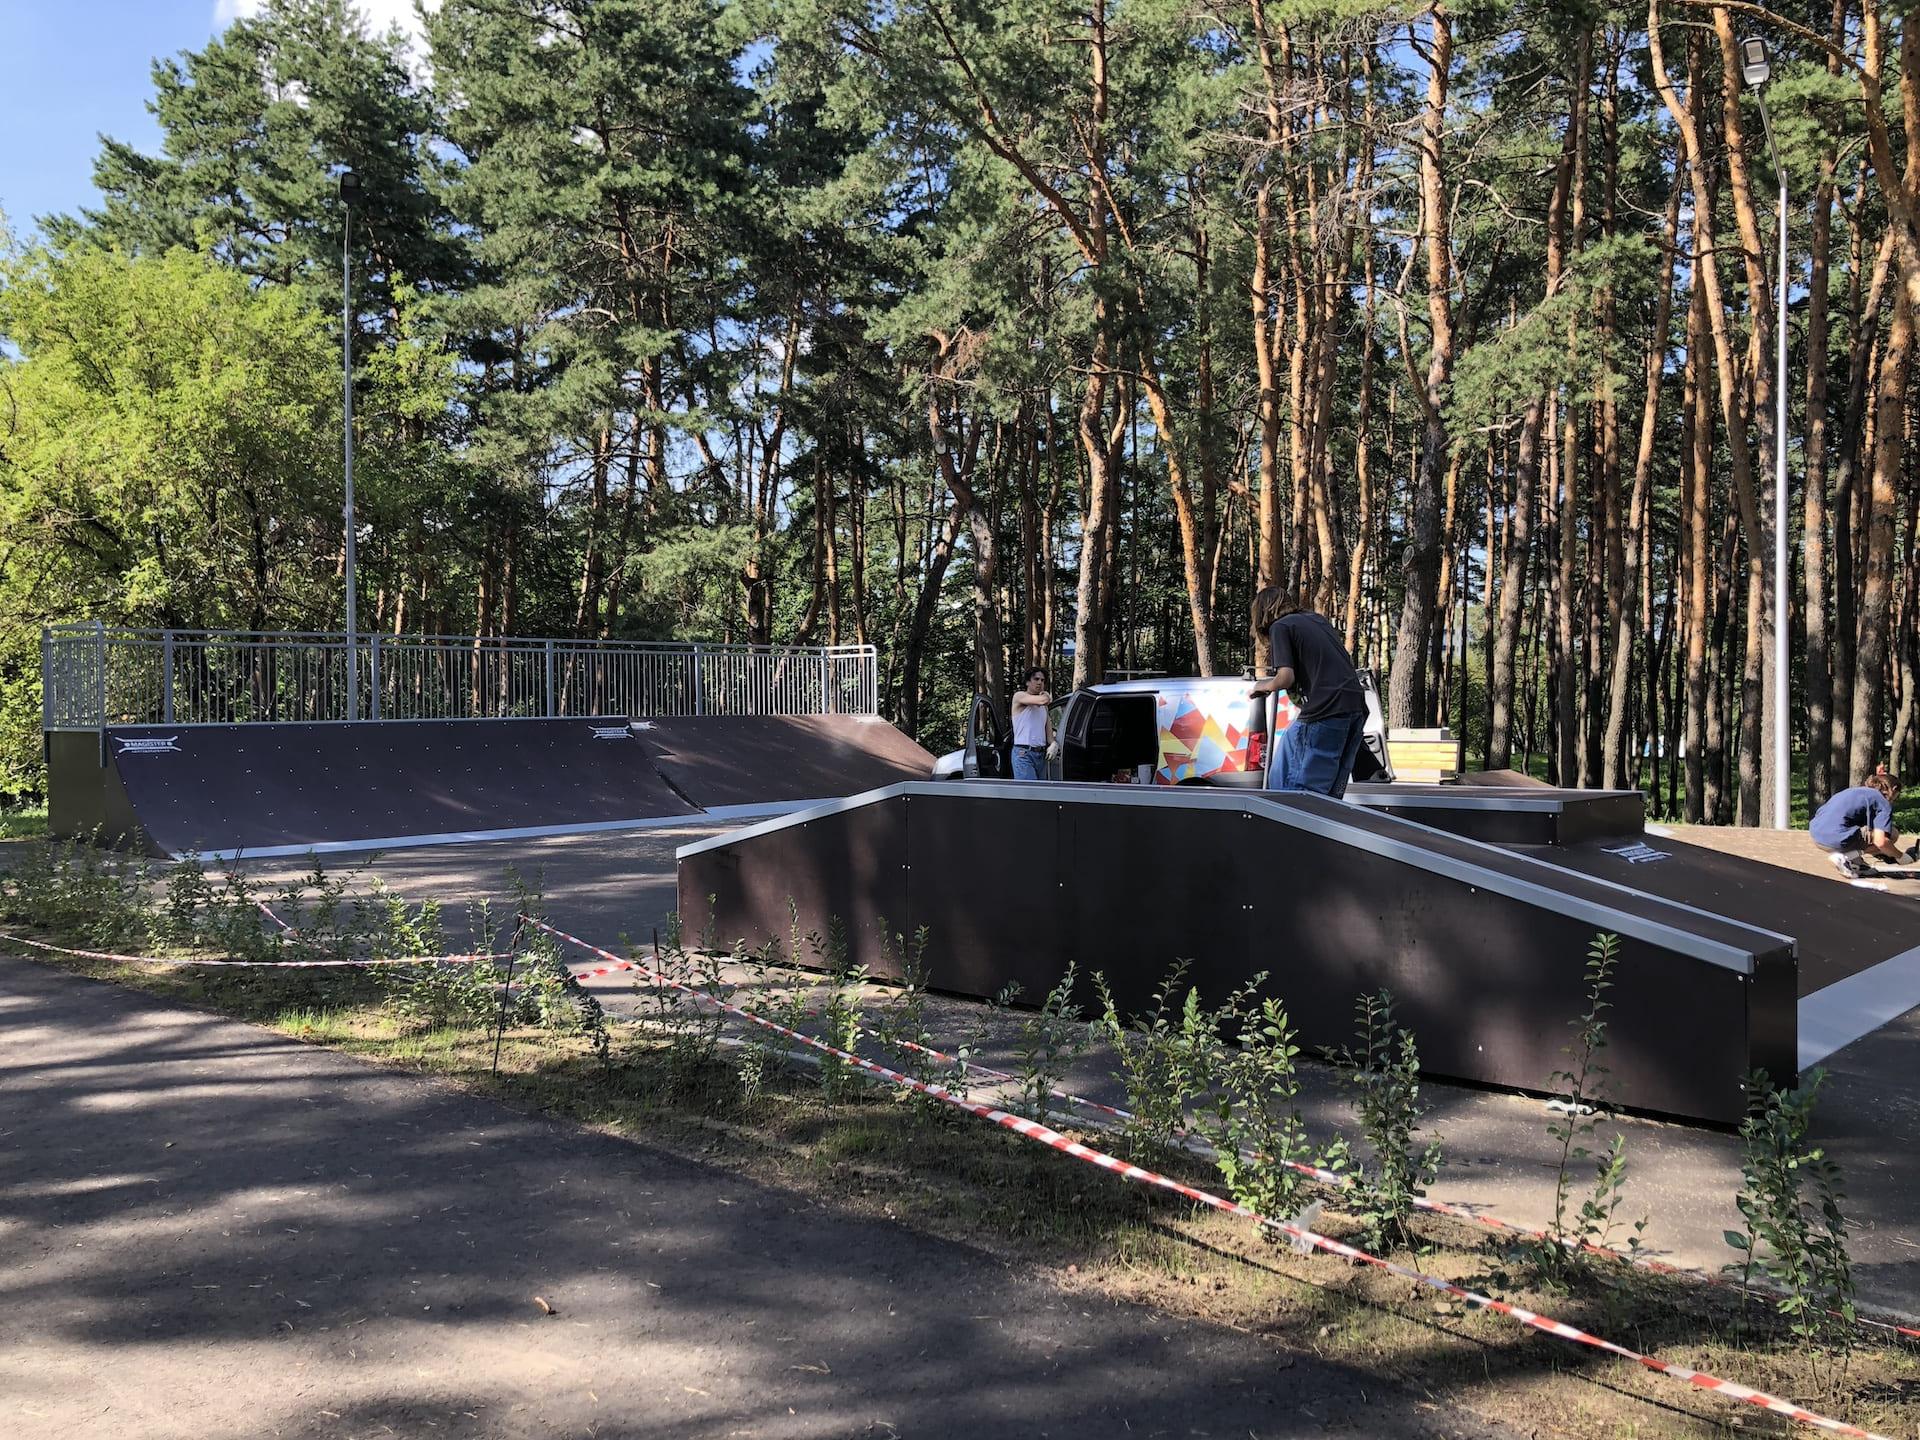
1847	864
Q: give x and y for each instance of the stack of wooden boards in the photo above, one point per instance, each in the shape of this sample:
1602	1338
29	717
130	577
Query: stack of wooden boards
1423	757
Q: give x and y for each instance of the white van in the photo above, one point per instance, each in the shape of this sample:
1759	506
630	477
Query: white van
1162	731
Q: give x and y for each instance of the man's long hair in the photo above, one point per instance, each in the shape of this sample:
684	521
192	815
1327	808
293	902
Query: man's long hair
1275	602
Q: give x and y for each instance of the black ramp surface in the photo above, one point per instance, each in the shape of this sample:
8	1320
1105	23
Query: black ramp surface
720	760
1841	929
1485	951
217	788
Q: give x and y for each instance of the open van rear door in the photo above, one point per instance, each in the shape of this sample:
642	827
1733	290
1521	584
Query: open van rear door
1105	734
1373	763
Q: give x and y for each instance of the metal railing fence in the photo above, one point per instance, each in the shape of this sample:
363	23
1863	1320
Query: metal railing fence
99	675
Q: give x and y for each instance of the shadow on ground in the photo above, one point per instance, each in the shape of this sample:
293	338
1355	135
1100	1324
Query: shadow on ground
211	1231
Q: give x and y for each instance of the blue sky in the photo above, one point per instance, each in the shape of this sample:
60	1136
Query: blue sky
72	70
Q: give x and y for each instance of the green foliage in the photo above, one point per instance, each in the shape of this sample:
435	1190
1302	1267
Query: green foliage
1386	1082
1795	1236
79	889
1254	1122
691	1028
1565	1252
1167	1055
900	1023
1048	1040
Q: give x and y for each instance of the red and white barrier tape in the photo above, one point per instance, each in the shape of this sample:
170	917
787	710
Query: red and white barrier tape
1042	1134
1421	1202
248	964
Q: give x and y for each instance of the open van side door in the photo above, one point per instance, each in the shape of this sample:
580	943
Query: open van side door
989	749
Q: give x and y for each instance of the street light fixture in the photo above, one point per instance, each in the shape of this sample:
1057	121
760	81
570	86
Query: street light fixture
1756	69
349	193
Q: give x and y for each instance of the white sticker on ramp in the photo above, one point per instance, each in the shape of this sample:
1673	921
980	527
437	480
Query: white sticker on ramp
1638	853
609	732
147	744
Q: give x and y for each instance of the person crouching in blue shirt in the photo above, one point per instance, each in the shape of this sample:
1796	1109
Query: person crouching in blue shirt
1857	822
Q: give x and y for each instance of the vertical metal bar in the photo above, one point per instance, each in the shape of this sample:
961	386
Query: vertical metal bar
48	683
1782	726
373	673
699	700
550	695
100	671
166	678
346	336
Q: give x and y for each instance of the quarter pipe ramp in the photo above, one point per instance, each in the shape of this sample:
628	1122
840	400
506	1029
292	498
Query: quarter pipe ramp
286	789
219	790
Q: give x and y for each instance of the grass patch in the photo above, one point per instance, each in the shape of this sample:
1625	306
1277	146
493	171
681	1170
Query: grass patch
26	823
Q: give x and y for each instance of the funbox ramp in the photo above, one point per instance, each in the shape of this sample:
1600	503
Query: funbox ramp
1484	949
264	790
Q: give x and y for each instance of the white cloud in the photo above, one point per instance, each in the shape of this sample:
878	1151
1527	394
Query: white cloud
379	15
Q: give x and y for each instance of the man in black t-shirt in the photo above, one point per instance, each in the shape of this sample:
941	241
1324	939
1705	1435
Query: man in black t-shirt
1318	749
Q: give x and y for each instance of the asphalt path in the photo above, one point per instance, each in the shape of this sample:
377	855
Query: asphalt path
210	1231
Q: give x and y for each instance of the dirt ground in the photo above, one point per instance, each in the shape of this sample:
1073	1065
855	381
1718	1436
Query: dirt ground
209	1231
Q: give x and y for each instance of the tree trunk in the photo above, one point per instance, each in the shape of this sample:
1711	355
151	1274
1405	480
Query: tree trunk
928	600
1406	691
1697	509
1819	674
1870	658
1620	680
1527	481
1733	397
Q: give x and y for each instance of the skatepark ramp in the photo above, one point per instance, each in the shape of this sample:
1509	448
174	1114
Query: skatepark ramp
220	743
1484	947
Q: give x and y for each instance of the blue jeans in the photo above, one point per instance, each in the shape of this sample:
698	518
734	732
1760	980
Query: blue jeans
1029	762
1318	755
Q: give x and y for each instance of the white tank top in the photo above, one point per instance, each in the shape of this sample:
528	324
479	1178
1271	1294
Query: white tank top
1030	725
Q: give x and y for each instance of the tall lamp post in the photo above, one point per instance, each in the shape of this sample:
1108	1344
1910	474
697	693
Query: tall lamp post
1755	68
349	192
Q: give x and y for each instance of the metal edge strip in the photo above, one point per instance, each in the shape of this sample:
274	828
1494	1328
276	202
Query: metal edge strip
459	837
1847	1010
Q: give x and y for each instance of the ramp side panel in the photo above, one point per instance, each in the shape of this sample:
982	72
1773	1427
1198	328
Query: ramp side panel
1510	815
1011	889
716	760
228	787
848	866
85	797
